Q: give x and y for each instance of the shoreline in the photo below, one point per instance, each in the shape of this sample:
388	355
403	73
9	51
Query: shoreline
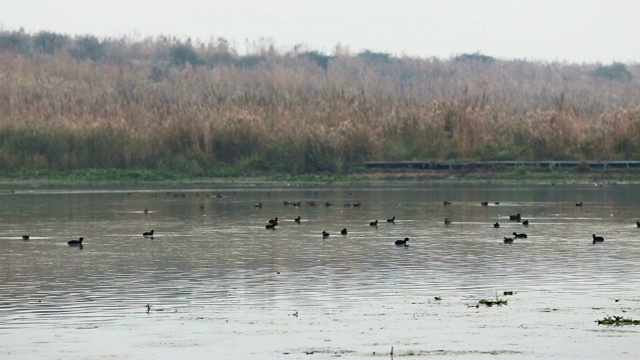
101	177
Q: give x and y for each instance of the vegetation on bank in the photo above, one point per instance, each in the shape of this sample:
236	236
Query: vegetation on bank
202	109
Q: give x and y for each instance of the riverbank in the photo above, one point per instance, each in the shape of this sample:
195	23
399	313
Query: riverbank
143	176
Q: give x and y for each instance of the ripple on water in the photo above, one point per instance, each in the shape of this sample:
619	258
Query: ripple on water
228	274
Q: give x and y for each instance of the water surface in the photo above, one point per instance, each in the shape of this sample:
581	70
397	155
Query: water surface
221	285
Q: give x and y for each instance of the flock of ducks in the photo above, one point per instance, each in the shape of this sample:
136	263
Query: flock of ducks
78	242
273	223
518	217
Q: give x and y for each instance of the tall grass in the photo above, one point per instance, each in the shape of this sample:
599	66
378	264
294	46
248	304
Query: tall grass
288	111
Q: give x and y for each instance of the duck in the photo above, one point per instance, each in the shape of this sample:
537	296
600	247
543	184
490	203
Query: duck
270	226
445	203
146	211
25	237
638	224
496	225
519	236
402	242
75	242
356	204
579	203
508	240
325	234
392	220
447	221
484	203
374	223
597	239
343	231
297	220
147	233
525	223
274	221
258	205
515	217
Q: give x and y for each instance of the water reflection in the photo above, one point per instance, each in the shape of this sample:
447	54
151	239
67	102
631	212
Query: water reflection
212	255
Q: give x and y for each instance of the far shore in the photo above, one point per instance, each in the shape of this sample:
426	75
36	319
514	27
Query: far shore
96	177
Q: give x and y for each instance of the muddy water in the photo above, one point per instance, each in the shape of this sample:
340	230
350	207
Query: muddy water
220	285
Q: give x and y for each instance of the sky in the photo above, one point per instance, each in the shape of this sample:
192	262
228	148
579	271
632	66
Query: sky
584	31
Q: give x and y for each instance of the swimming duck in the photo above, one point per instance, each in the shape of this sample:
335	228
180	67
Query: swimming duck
579	203
402	242
638	223
374	223
519	236
25	237
484	203
274	221
75	242
392	220
297	220
597	239
508	240
270	226
496	225
515	217
447	221
344	231
147	233
325	234
445	203
525	223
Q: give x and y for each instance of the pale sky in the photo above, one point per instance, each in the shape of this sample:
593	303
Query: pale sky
551	30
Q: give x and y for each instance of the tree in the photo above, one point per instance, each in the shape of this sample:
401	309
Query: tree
616	71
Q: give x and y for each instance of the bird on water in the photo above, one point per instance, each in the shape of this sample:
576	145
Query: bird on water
597	239
402	242
75	242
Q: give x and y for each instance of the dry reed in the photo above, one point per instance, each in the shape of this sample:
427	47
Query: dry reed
287	113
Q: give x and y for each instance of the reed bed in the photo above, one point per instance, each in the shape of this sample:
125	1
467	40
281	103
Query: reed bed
133	108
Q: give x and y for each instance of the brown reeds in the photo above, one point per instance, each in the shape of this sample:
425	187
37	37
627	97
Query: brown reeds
284	112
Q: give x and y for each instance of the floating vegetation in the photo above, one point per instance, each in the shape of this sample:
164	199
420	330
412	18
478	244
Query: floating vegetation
617	321
490	303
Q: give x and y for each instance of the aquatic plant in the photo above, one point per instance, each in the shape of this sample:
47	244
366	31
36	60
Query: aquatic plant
490	303
617	321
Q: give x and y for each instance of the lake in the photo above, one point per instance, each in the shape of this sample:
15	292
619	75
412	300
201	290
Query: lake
213	282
